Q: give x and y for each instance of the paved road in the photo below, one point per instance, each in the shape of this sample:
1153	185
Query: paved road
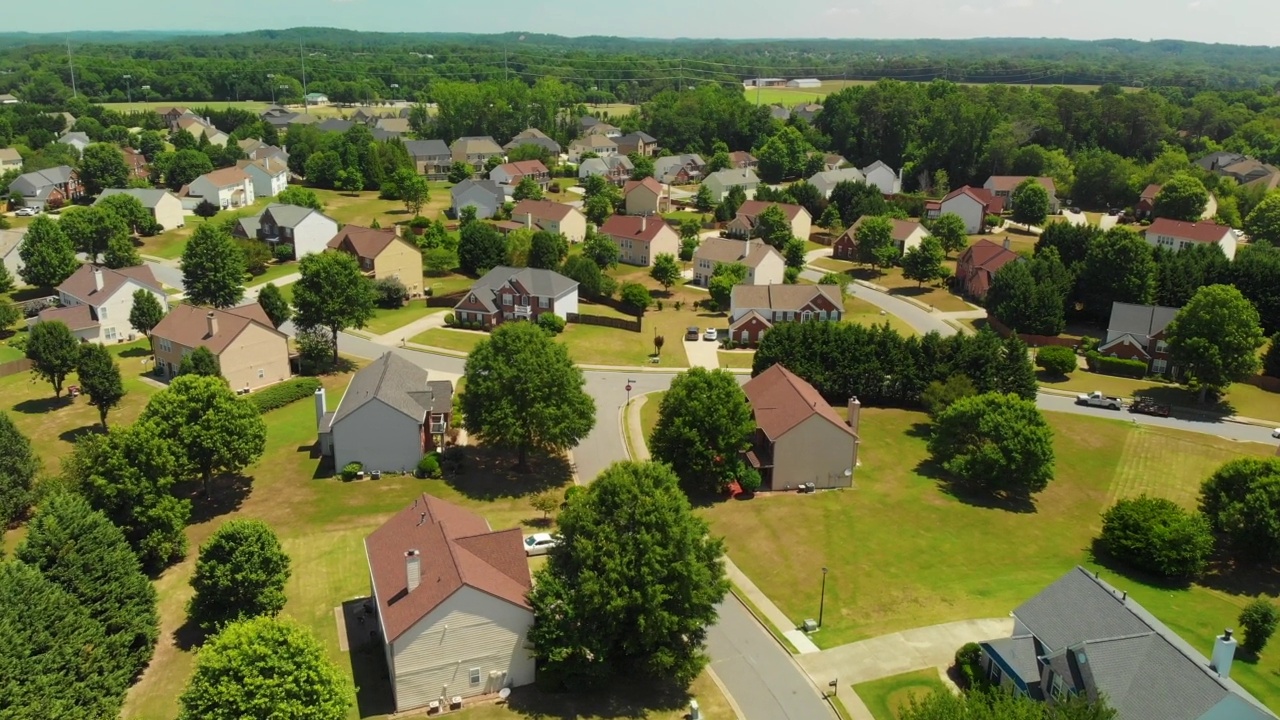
1186	422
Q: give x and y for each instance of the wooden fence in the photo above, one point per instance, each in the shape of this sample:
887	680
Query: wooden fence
613	322
13	367
1032	340
612	303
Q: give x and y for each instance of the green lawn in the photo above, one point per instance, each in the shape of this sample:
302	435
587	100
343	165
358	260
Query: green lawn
736	358
649	412
384	320
9	354
904	552
933	295
274	272
683	215
887	697
1241	398
449	339
862	312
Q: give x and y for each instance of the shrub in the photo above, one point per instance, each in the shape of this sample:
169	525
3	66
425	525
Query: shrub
391	293
551	322
148	227
1158	536
1115	366
635	295
1258	621
449	319
282	252
350	470
1056	360
750	481
993	221
418	222
289	391
429	466
968	663
206	209
554	187
572	492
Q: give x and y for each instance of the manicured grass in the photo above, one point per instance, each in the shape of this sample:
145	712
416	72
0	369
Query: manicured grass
683	215
450	339
887	697
1241	398
599	345
936	296
9	354
649	413
170	244
862	312
274	272
384	320
629	700
736	358
904	552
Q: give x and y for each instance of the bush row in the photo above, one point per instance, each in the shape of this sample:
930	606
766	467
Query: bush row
289	391
1115	366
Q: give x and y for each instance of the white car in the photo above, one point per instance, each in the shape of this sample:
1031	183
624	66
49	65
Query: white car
1275	433
26	212
710	334
540	544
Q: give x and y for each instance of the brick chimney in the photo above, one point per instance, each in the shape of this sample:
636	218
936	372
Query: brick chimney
855	413
412	569
644	222
212	321
97	278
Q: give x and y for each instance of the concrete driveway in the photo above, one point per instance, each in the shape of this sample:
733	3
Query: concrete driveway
900	652
1108	221
1074	218
703	353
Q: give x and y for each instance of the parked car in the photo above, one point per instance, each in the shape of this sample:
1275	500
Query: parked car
691	333
27	212
1074	210
1275	433
540	544
1097	399
710	334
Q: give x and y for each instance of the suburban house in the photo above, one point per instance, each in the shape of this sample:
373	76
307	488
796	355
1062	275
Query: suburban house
799	438
40	188
307	230
395	126
780	113
390	416
475	150
552	217
1082	637
10	160
765	266
431	157
280	118
1175	235
136	162
753	309
164	206
229	187
614	168
972	204
1002	186
807	112
744	223
678	169
719	183
644	197
599	127
10	247
270	176
77	140
255	149
1147	201
335	125
833	161
640	143
742	159
640	238
7	99
506	293
96	301
382	254
884	177
533	136
171	115
1137	332
510	174
201	127
827	180
1244	169
484	195
251	352
601	145
977	266
450	605
906	235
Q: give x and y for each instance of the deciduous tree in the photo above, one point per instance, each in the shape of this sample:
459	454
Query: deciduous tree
1057	360
18	468
213	268
48	257
146	312
1263	222
300	196
923	263
101	167
1259	620
950	231
100	379
1256	274
665	270
602	250
1181	197
773	227
704	425
995	443
1030	202
1118	267
480	249
412	189
723	279
872	235
702	201
591	281
200	362
1241	500
527	189
274	304
92	229
459	171
332	294
547	250
1215	338
1180	274
53	351
185	166
1158	536
240	574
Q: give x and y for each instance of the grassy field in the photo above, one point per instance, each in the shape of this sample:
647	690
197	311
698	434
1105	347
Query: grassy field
1241	398
450	339
887	697
254	106
736	358
937	296
905	552
791	97
384	320
864	313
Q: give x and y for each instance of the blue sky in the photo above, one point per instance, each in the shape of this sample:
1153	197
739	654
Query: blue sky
1250	22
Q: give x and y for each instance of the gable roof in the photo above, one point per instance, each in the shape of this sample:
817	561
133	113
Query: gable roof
72	137
269	165
983	196
80	284
1141	321
648	183
987	255
1008	183
366	242
10	154
735	176
878	165
753	208
337	125
476	145
902	229
523	167
638	136
32	183
728	250
149	197
831	178
783	297
393	380
489	186
1203	231
1149	192
290	216
539	282
633	226
595	141
456	549
426	148
75	317
543	209
225	177
188	325
780	401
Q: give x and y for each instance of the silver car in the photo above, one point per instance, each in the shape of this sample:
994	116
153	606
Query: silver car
540	544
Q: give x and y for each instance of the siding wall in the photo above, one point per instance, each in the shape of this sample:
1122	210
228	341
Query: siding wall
257	357
400	260
378	436
168	212
312	235
814	451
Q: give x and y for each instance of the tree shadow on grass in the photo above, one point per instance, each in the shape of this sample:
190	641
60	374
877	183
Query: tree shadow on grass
133	352
189	636
1242	577
632	699
72	436
37	406
920	430
486	474
976	497
368	663
228	494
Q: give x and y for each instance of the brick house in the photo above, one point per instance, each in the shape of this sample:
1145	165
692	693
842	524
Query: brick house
506	293
510	174
1147	201
1137	332
977	266
906	235
753	309
53	186
799	438
136	162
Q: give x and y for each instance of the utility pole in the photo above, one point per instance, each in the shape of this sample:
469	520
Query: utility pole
506	71
72	64
759	78
306	106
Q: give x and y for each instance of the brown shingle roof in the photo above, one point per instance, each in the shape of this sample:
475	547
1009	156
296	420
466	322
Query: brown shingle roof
1150	192
780	401
994	204
456	548
525	167
1205	232
752	208
188	325
364	242
987	255
542	209
633	226
725	250
902	229
648	183
783	297
1008	183
226	177
76	317
80	284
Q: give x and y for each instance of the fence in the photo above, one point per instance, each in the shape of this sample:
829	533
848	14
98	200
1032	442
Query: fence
1032	340
1265	382
613	303
446	300
13	367
613	322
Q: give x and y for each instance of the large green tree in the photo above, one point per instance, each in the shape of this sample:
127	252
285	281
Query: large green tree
241	573
332	294
79	549
100	379
91	230
146	312
1030	202
215	431
523	392
1158	536
1256	274
200	361
1180	274
213	268
128	208
632	586
1181	197
1263	222
1118	267
185	166
704	425
47	255
53	351
300	196
1215	338
19	465
547	249
874	235
996	443
665	270
480	248
923	263
102	166
1241	501
773	227
723	279
265	668
274	304
601	249
950	231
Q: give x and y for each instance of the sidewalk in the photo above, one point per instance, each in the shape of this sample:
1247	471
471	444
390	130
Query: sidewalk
900	652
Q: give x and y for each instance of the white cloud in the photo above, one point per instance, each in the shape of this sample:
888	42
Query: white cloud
835	11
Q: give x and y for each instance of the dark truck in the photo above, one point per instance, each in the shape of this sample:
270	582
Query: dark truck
1147	406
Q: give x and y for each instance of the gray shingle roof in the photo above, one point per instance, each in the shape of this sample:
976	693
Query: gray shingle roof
542	283
1141	321
426	148
149	197
1020	654
396	382
289	216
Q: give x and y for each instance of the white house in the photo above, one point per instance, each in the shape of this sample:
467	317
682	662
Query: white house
449	605
227	188
720	182
765	266
972	204
599	144
10	246
96	301
827	180
270	175
1175	235
77	140
164	206
884	177
308	231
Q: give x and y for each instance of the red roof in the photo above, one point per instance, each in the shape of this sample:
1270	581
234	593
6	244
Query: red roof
986	255
455	548
1205	232
633	226
1149	194
752	208
525	167
995	205
780	401
648	183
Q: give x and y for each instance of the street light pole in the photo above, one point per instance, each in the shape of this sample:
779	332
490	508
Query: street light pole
272	79
128	83
822	603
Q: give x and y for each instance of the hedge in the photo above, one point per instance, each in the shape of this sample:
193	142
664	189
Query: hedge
1116	366
289	391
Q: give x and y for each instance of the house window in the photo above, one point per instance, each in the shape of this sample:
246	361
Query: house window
544	302
806	316
474	676
261	373
506	300
996	675
111	333
1161	346
524	299
1059	687
102	313
1159	366
164	344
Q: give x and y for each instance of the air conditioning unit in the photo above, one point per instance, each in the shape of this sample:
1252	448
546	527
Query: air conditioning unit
810	625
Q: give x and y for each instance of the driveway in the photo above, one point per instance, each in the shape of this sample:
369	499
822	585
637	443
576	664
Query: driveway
1108	221
1210	208
1074	218
703	353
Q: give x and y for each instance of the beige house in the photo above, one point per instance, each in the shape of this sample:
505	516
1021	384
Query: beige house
250	351
799	438
449	606
382	254
474	150
164	206
10	160
601	145
552	217
640	239
644	197
765	266
744	223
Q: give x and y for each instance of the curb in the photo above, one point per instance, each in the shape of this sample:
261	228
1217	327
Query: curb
1255	422
733	704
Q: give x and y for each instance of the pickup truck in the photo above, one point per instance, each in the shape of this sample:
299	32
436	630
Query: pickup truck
1097	399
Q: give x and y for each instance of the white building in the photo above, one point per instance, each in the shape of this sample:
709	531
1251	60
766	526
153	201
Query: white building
884	177
804	83
720	182
270	175
308	231
226	188
96	302
1176	235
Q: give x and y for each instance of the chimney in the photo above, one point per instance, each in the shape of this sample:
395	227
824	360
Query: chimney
855	413
1224	651
644	222
97	278
412	569
212	321
528	221
321	408
1006	242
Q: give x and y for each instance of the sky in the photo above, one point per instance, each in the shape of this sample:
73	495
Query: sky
1245	22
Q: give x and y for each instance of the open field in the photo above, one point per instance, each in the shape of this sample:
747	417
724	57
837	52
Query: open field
254	106
791	97
1241	398
887	697
904	551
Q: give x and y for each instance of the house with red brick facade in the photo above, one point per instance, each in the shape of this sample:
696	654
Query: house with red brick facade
506	293
906	235
977	266
1137	332
756	308
1147	201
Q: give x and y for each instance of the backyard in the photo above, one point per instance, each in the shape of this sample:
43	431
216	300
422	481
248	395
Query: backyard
887	697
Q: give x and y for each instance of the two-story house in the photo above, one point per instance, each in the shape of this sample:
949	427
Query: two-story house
799	438
551	216
977	266
270	175
640	238
251	352
509	175
602	145
171	115
533	136
753	309
382	254
742	159
308	231
888	180
229	187
1002	186
484	195
719	183
640	143
96	301
615	168
506	293
765	266
431	157
744	225
827	180
255	149
164	206
644	197
906	234
390	416
474	150
1147	201
1137	332
1176	235
201	127
49	187
972	204
136	162
678	169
